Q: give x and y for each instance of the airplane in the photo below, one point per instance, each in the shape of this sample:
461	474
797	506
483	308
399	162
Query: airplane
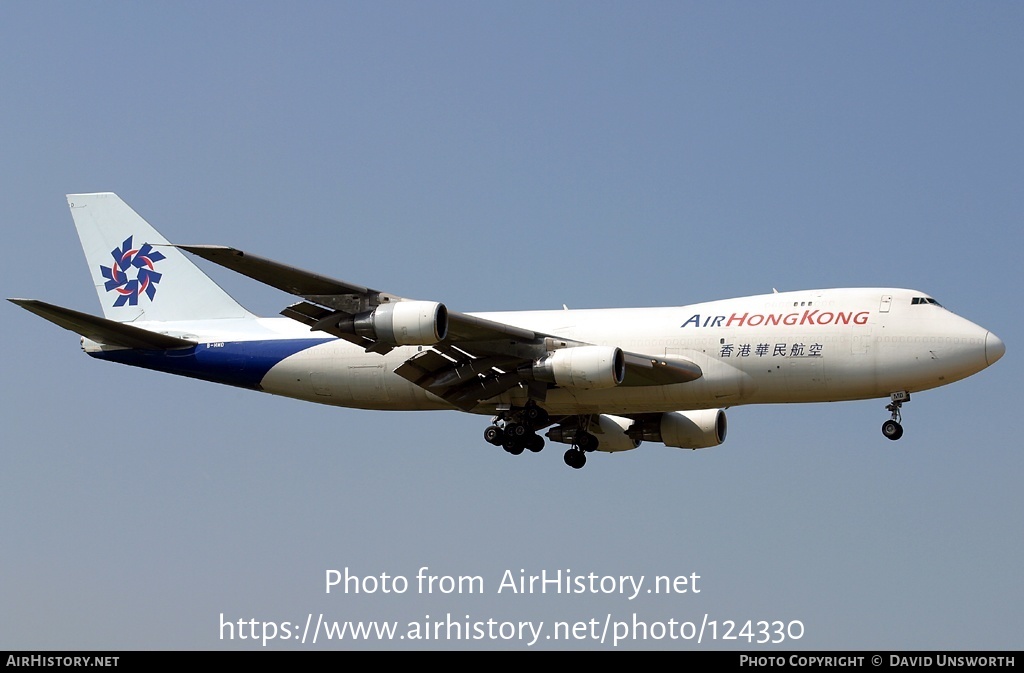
595	380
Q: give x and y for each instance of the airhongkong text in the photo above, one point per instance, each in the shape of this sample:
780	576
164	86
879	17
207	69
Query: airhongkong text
809	317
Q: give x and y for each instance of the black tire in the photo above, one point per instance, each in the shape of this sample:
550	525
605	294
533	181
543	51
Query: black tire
892	430
515	430
535	443
535	416
575	458
515	448
494	435
586	441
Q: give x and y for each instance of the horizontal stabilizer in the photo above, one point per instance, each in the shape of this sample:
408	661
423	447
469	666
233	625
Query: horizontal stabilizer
101	330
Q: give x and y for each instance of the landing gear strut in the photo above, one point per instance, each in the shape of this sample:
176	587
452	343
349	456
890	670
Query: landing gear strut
573	431
582	443
892	428
586	441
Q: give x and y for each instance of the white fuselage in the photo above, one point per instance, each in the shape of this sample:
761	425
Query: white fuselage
807	346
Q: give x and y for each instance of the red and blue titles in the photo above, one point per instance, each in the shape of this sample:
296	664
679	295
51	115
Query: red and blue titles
808	317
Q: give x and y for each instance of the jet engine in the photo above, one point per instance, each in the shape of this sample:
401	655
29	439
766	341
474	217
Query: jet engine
587	367
684	429
402	323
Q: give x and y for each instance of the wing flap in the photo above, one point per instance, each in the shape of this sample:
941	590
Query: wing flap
423	368
463	382
323	319
477	390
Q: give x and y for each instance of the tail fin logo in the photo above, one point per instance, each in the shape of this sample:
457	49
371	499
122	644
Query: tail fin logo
127	258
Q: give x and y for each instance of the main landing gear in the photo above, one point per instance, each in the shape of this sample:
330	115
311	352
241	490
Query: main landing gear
583	443
892	428
516	430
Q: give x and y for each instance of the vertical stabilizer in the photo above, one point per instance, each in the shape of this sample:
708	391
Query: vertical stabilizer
137	275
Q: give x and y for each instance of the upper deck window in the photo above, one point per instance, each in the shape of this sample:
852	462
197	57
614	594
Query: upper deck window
924	300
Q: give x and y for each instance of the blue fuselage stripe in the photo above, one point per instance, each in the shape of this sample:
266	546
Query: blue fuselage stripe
235	363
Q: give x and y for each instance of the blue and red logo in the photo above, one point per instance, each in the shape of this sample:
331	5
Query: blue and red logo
127	258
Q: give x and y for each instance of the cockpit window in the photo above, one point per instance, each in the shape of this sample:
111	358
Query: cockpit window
924	300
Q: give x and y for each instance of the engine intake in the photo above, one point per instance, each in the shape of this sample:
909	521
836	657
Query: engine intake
586	367
402	323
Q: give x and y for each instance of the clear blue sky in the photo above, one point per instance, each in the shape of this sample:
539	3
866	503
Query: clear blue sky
501	156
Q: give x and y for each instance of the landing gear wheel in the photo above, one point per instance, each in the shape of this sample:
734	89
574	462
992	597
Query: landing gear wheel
535	416
515	430
535	443
586	441
513	447
494	435
892	430
575	458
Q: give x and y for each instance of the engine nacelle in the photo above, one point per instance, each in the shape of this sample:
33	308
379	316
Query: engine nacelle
613	435
686	429
610	433
586	367
404	323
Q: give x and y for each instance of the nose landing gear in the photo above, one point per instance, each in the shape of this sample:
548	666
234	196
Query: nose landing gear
892	429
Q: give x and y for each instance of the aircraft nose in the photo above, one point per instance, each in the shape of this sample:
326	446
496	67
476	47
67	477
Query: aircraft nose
994	348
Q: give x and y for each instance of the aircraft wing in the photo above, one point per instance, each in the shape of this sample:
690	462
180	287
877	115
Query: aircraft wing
338	295
473	360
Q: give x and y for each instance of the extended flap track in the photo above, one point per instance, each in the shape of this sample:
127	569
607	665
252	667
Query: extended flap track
463	382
